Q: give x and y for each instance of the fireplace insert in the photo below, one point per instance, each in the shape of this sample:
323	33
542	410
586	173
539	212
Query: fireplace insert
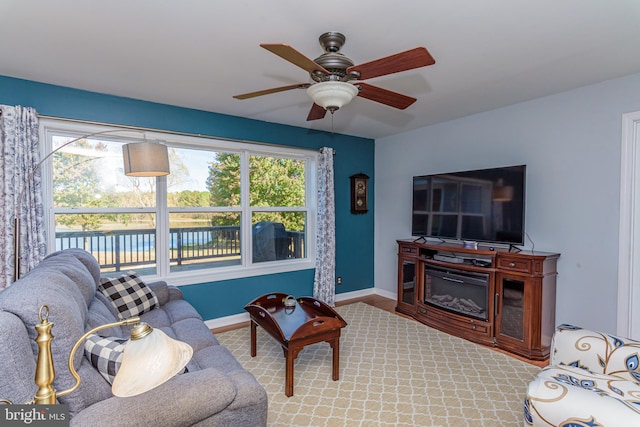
458	291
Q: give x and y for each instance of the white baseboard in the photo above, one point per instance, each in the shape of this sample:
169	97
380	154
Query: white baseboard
355	294
244	317
386	294
227	320
366	292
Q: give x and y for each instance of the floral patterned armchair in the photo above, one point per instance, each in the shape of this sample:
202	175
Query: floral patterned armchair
593	380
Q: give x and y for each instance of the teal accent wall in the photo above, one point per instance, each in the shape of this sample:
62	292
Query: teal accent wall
354	233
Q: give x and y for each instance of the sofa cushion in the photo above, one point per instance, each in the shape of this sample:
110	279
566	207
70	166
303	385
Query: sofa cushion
105	354
102	298
185	400
18	366
78	266
215	356
129	295
100	314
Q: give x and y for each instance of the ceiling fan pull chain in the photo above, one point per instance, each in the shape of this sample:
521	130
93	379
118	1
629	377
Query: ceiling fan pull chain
332	123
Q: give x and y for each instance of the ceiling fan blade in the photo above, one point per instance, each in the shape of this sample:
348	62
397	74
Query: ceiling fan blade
272	90
316	112
288	53
384	96
403	61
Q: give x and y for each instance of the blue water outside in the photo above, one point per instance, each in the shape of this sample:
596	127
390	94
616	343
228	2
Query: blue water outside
101	243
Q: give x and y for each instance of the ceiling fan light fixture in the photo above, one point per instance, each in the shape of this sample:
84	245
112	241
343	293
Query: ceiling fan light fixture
332	95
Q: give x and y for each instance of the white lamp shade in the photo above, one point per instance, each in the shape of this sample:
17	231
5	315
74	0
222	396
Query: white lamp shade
332	95
148	362
145	159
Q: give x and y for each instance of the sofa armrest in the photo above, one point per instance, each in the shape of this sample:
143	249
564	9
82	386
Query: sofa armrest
596	352
184	400
562	395
175	293
164	292
161	290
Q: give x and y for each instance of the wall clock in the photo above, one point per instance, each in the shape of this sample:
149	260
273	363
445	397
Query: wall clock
359	193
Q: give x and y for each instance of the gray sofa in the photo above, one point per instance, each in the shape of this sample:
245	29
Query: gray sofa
215	391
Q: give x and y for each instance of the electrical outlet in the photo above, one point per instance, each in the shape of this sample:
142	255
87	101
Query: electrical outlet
339	280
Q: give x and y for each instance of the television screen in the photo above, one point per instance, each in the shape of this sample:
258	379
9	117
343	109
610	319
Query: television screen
486	205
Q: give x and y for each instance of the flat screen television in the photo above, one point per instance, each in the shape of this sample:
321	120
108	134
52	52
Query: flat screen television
485	205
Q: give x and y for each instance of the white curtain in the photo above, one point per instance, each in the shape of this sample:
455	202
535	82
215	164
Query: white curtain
325	276
19	156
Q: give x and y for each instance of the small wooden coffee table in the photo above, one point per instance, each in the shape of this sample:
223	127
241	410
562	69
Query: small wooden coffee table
308	322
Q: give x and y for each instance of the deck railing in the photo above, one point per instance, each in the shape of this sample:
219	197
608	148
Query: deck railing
125	249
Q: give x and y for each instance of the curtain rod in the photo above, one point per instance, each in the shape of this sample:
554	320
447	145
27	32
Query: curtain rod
171	132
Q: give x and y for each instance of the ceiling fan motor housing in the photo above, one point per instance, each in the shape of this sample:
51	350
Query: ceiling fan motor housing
332	60
332	41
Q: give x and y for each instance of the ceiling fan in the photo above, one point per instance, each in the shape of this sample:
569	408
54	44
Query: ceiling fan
336	80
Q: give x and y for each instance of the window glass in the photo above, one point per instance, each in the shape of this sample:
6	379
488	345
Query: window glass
120	242
276	181
222	201
201	178
200	240
89	174
278	235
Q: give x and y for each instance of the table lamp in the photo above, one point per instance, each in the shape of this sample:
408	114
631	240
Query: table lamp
150	358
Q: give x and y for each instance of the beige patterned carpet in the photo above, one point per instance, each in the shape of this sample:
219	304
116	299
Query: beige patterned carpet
393	372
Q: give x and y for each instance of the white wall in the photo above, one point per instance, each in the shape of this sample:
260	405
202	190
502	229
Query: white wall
570	143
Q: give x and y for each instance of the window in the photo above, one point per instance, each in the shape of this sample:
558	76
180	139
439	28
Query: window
228	209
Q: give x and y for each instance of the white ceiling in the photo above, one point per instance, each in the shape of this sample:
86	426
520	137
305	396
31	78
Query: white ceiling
199	53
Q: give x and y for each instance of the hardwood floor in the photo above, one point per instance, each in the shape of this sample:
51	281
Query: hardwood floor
389	305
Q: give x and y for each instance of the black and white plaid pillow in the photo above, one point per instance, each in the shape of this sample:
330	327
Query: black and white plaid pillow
129	295
105	354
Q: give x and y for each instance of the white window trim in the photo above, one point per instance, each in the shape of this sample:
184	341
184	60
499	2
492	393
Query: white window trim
246	269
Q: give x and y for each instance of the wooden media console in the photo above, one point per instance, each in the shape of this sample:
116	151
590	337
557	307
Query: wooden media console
488	295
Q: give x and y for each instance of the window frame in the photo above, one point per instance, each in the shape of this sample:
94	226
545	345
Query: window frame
58	127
